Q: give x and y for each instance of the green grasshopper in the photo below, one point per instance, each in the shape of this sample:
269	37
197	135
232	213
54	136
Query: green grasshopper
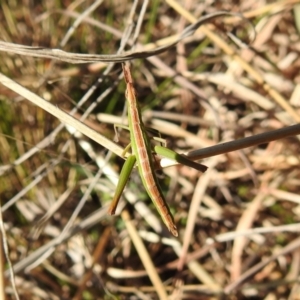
142	154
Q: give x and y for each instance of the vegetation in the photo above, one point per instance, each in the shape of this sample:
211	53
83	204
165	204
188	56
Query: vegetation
237	223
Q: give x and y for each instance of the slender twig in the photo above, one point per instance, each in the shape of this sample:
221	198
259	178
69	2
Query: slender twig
88	58
254	140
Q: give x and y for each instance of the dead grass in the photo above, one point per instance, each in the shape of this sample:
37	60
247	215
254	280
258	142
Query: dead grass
238	223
